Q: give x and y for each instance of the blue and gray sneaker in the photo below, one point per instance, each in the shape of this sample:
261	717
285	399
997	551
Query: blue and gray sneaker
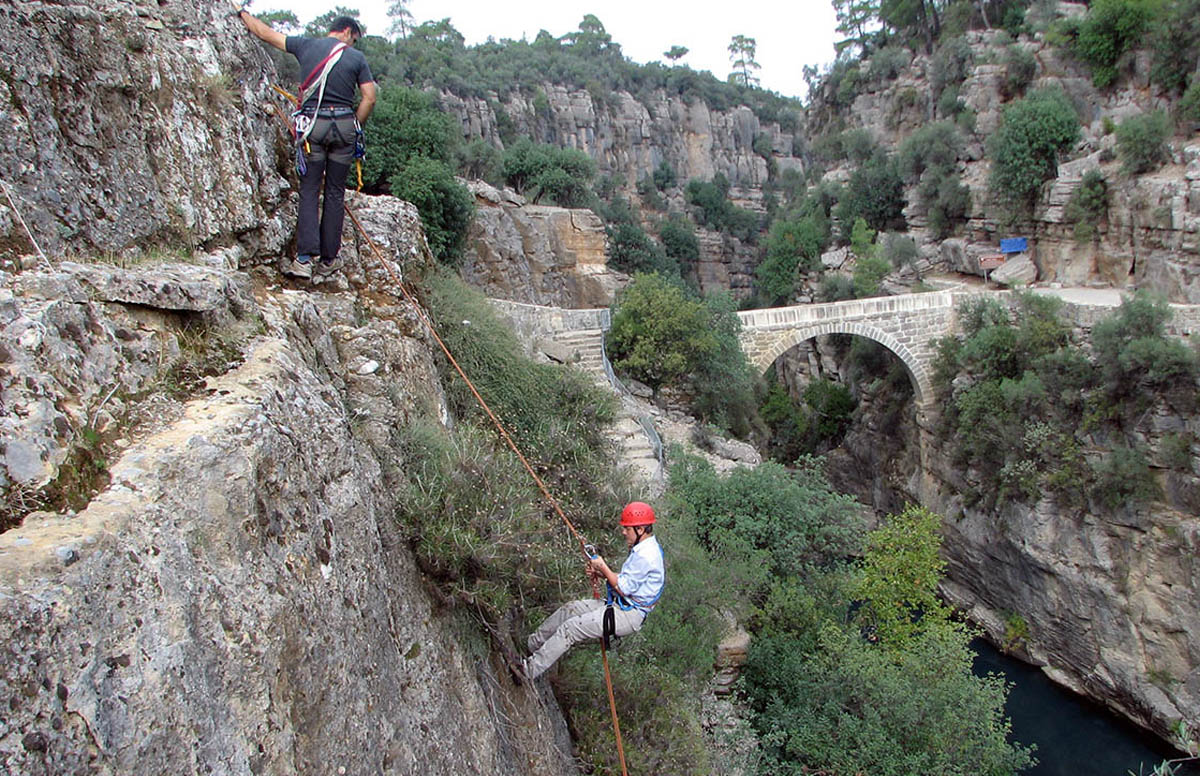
329	266
301	267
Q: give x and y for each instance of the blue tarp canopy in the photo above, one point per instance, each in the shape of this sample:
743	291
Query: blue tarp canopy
1013	245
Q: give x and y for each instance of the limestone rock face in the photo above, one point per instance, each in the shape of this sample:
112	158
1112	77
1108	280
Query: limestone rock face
1148	238
630	138
537	254
240	598
136	124
1110	600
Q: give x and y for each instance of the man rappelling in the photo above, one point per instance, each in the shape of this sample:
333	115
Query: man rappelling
632	594
328	133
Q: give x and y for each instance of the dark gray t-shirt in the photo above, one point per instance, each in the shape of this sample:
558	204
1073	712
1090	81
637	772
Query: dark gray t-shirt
350	71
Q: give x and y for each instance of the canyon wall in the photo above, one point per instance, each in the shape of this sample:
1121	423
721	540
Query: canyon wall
211	577
237	595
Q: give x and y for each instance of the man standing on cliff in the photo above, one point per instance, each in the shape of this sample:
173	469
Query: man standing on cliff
327	126
632	594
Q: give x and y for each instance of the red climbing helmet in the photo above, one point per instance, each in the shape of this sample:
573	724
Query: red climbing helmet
637	513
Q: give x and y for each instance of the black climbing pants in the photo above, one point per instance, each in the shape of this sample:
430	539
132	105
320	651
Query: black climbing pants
331	152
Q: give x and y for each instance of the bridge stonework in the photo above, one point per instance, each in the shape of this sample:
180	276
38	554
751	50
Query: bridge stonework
907	325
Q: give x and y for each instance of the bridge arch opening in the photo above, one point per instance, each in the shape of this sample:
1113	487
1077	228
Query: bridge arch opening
782	342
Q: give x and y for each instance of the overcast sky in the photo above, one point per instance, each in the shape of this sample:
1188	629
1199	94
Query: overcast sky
789	35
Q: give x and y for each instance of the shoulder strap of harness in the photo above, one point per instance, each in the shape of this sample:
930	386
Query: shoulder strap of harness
316	82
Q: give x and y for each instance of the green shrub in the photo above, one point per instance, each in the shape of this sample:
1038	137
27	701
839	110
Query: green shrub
724	386
1026	147
1135	356
836	288
1088	205
661	335
887	63
664	176
933	146
679	240
875	193
788	425
950	64
1142	142
1124	477
901	701
1019	68
792	246
900	251
715	211
1189	105
1175	39
830	407
406	124
859	145
649	195
480	160
789	519
562	174
1111	28
632	250
1177	451
445	205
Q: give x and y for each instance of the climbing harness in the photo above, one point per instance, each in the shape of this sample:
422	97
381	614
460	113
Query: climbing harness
360	139
302	120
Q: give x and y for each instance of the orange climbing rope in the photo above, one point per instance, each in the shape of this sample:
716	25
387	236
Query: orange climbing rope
583	545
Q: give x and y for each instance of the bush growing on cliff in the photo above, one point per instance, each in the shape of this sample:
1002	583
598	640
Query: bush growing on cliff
715	211
1142	142
1088	205
446	207
1111	28
1136	358
561	174
792	246
413	144
1175	38
875	193
1025	402
1025	150
631	250
664	336
679	240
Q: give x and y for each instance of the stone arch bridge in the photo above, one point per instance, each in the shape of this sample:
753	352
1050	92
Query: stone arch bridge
908	325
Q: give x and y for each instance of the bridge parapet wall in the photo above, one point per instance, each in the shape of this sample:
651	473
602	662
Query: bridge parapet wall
533	322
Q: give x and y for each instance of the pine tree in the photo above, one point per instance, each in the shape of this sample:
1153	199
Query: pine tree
855	20
401	17
741	53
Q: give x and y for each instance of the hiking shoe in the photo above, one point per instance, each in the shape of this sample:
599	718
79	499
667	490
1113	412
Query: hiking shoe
329	266
301	267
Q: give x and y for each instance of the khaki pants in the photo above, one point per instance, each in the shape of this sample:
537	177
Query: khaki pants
574	622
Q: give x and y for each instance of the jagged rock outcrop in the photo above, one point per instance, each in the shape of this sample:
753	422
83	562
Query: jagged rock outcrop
137	124
537	254
239	598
